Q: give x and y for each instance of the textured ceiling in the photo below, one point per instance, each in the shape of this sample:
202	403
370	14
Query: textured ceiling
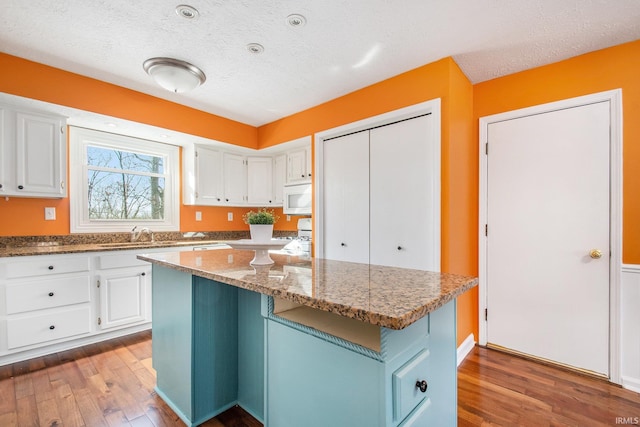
345	45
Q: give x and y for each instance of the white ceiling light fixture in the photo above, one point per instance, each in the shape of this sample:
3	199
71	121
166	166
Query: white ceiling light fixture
255	48
296	20
173	74
187	12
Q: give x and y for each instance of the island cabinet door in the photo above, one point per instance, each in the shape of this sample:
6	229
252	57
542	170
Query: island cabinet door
313	383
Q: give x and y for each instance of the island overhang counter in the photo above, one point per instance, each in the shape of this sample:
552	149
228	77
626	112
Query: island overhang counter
310	342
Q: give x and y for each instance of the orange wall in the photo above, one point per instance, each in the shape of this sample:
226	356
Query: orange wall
21	217
612	68
442	79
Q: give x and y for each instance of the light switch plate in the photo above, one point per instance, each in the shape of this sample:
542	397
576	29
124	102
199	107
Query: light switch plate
49	214
198	216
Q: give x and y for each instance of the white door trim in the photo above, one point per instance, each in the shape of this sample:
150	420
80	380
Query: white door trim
615	99
432	107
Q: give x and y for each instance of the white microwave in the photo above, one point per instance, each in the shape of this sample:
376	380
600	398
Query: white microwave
297	199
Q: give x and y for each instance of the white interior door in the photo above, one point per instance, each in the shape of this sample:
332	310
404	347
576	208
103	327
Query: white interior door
548	207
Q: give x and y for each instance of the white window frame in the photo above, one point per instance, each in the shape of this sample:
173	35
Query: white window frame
79	139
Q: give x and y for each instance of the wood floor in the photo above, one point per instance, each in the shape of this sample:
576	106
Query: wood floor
111	384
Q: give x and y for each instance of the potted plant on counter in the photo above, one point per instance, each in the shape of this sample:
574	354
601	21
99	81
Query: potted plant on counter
261	224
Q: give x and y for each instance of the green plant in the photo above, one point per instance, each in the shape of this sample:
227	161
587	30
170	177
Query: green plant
262	216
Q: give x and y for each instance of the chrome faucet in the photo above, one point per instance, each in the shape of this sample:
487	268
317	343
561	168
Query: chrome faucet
135	235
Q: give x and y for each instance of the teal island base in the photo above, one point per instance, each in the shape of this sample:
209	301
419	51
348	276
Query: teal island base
216	345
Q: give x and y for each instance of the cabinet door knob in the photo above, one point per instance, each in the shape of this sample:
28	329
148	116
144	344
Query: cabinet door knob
218	199
20	187
308	174
52	327
50	267
0	185
343	244
50	294
399	248
143	274
226	200
422	385
302	176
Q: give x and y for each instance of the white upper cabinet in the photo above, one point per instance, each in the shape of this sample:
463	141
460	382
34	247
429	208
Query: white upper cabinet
260	180
299	165
235	178
34	154
279	178
217	176
208	173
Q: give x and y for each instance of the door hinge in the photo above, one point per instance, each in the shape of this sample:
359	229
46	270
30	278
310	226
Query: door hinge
98	283
99	321
486	148
486	229
486	314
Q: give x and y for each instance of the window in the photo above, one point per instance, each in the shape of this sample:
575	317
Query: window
118	182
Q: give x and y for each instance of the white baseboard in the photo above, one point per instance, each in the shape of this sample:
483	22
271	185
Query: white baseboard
632	384
465	348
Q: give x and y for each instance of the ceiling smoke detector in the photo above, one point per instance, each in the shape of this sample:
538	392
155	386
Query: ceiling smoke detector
296	20
255	48
173	74
187	12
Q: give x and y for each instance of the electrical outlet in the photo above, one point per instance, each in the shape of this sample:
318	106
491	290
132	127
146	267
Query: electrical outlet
49	214
198	216
229	216
288	217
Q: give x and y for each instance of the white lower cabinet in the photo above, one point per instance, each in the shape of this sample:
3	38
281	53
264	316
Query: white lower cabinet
124	297
45	326
50	303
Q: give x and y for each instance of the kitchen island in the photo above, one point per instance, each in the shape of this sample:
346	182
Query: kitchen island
304	342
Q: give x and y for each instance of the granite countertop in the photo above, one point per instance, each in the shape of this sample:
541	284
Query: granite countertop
385	296
45	248
13	246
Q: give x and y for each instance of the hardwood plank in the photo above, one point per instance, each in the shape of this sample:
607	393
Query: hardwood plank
11	419
89	408
27	412
23	386
48	413
42	385
68	408
7	396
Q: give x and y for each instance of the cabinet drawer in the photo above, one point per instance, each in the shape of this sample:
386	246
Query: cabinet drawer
406	394
47	327
419	417
119	261
47	293
42	266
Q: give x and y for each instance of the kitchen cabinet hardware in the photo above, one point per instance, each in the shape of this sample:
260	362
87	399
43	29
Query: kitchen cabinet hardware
51	294
52	327
20	187
422	385
399	248
343	244
226	200
143	274
302	176
0	185
50	267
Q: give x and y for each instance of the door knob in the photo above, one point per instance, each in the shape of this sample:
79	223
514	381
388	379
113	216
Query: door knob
595	253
